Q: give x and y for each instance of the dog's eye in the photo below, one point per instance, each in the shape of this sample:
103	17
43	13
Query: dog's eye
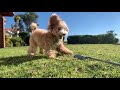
51	27
59	29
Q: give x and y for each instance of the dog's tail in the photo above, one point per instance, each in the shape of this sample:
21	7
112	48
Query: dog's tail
33	26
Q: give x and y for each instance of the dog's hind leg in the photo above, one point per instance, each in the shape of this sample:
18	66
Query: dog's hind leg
42	51
32	48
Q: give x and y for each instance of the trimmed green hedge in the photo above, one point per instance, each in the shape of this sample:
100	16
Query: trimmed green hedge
108	38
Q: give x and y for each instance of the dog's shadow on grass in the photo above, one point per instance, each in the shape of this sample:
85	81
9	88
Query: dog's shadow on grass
15	60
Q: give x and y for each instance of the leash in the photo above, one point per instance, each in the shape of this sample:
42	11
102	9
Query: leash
81	57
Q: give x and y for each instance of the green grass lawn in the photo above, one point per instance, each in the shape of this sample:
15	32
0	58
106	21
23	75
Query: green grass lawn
14	63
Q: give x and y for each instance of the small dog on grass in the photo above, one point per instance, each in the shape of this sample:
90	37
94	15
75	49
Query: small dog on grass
51	41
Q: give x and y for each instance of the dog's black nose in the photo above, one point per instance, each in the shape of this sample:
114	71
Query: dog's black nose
63	34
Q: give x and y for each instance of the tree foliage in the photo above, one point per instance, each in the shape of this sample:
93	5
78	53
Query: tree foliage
108	38
28	18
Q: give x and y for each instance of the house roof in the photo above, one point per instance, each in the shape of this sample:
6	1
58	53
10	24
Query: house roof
8	29
7	13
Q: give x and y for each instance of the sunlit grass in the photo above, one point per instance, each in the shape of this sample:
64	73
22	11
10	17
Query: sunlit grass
14	63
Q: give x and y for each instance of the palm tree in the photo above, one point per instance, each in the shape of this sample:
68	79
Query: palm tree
17	20
18	23
17	27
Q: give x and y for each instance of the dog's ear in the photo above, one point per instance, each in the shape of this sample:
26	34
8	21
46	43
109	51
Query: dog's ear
54	19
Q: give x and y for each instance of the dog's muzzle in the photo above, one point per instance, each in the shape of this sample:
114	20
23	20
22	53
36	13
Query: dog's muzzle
63	32
63	35
32	29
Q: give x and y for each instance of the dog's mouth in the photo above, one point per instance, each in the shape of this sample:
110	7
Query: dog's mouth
60	37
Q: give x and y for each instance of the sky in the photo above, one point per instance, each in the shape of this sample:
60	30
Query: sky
80	23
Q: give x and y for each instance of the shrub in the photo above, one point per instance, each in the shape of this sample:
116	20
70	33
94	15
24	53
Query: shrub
17	44
8	41
17	41
25	37
27	40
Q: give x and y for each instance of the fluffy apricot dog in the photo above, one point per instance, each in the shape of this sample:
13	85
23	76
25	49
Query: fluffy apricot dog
51	41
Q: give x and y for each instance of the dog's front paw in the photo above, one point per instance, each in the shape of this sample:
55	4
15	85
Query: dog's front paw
71	52
52	54
51	57
31	54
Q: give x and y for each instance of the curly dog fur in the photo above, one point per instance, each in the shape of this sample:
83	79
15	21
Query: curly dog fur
51	41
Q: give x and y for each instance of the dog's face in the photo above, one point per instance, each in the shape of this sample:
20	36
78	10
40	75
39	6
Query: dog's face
62	29
57	26
33	26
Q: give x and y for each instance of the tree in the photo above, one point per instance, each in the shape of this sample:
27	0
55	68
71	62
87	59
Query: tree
17	19
110	36
18	23
28	18
21	25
